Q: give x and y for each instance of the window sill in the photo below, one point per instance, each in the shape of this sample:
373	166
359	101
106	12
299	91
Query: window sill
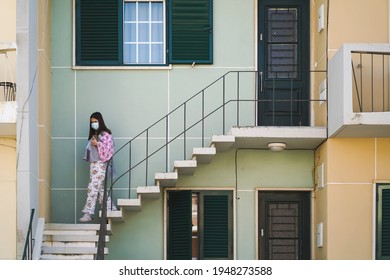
162	67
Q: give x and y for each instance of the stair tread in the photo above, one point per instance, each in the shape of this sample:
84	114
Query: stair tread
222	142
149	191
67	257
71	250
64	226
167	179
185	167
69	238
204	155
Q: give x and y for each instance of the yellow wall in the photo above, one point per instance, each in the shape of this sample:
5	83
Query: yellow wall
8	197
358	21
352	166
8	144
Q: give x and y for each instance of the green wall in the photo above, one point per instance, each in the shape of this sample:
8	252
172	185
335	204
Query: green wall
132	99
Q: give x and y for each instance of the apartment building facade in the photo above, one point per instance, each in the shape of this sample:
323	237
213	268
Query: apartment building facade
251	129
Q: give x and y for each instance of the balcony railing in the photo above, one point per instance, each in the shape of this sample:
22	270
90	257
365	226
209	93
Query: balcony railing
370	72
358	91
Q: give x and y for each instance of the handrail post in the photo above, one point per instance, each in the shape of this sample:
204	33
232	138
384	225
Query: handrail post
238	98
147	157
223	100
27	253
202	118
185	130
166	143
103	219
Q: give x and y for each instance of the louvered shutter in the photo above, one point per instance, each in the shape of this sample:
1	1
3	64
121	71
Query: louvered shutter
190	31
217	229
99	32
180	225
383	223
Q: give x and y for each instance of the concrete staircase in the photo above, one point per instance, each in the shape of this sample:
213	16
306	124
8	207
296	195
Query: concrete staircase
79	241
219	143
71	241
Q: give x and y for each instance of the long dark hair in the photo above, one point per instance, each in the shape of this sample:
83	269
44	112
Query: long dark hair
102	125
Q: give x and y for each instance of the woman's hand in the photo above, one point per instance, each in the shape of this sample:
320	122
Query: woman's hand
94	141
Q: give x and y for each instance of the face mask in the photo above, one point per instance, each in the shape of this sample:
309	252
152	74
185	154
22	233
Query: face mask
95	125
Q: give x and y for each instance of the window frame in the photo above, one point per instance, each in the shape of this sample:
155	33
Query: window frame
95	61
201	194
379	219
164	35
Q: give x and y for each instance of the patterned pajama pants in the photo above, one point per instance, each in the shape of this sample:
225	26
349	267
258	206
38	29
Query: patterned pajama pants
95	193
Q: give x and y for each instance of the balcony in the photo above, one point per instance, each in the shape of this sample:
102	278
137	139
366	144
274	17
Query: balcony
358	96
8	105
8	109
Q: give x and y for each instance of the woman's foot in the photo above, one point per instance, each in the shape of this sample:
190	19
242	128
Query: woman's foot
86	218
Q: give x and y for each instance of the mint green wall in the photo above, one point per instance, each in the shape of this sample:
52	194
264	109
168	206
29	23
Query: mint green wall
141	236
132	99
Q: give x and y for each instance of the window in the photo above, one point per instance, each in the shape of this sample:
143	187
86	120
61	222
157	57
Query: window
200	225
136	32
383	222
143	41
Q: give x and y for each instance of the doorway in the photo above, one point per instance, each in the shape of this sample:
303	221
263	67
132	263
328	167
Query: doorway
284	225
284	61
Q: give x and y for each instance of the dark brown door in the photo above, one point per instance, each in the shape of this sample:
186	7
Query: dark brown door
284	231
284	63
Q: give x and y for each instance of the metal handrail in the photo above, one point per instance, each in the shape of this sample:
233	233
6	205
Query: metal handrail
28	244
103	219
258	80
371	83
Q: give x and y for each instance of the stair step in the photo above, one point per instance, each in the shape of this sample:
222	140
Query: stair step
67	257
204	155
149	191
69	244
185	167
115	216
71	250
70	232
130	203
74	227
222	142
167	179
73	238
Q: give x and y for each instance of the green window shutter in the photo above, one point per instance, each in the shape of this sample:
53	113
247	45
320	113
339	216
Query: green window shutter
190	29
217	226
180	225
99	32
383	222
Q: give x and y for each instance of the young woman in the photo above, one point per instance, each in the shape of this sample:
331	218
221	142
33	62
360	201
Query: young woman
99	150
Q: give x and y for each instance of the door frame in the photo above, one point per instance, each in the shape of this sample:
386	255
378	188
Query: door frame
305	57
309	216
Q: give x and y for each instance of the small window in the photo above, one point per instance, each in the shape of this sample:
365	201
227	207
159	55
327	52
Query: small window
383	222
144	32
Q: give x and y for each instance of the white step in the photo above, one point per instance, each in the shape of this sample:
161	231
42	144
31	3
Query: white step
204	155
71	250
75	227
149	191
222	142
90	244
185	167
67	257
73	238
130	203
166	179
115	216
